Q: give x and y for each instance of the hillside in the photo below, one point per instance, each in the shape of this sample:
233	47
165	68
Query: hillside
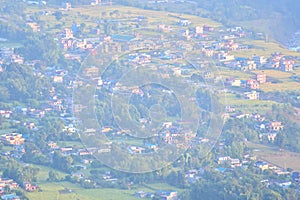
277	19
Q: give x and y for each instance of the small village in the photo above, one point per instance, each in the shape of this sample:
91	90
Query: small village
180	49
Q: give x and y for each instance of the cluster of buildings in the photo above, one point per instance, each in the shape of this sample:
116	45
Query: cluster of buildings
219	48
8	185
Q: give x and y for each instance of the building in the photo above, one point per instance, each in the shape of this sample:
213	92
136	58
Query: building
275	126
58	79
184	22
7	182
10	197
259	60
198	30
208	28
66	6
30	187
261	165
253	95
34	26
68	33
252	84
166	195
261	78
248	65
286	65
226	57
13	139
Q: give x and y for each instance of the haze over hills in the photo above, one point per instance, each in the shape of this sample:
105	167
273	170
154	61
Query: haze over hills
279	19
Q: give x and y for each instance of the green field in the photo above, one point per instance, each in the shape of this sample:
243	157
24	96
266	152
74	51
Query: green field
52	191
247	106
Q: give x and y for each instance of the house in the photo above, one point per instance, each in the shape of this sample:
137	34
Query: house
221	169
261	165
253	95
235	162
274	61
13	139
248	65
84	152
259	60
136	149
226	57
141	194
252	84
5	113
52	145
164	28
69	129
95	2
296	176
208	28
270	136
283	184
233	82
275	126
198	30
8	182
221	160
30	187
17	59
166	195
78	175
66	6
184	22
68	33
286	64
261	78
34	26
10	197
58	79
66	150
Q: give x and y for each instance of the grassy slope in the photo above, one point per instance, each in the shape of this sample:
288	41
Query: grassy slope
284	158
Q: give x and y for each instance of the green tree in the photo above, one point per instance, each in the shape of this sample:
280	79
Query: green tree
52	176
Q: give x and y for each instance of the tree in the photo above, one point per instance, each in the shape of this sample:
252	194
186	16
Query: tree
58	15
280	139
52	176
61	162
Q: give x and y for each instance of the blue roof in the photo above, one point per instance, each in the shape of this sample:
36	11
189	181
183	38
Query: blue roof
9	196
221	169
241	59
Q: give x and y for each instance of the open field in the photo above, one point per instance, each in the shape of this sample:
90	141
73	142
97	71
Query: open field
263	48
285	86
66	190
285	83
283	158
90	16
274	73
51	191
